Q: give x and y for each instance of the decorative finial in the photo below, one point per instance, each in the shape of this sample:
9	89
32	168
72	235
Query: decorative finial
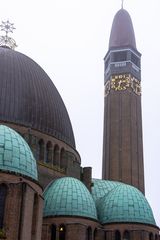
6	41
122	4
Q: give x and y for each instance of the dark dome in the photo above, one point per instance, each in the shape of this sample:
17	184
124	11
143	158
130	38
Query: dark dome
28	97
122	33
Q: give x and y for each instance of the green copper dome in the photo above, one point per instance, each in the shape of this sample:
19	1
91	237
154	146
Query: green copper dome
15	154
68	196
102	187
124	203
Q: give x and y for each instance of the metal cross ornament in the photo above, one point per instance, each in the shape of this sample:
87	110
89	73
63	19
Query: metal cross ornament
7	27
6	41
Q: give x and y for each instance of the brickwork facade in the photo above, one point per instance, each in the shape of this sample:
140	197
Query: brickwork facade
19	212
122	146
134	231
50	162
75	228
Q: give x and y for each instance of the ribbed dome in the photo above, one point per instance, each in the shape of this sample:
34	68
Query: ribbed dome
122	33
124	203
68	197
15	154
28	97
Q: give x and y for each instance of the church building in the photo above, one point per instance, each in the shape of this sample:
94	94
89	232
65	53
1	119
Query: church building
45	193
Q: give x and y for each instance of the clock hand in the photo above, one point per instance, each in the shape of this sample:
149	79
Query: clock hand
119	83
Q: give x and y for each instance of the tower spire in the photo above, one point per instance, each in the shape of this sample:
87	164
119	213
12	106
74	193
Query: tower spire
122	4
122	135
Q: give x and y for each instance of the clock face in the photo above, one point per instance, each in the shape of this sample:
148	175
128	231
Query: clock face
136	86
107	88
120	82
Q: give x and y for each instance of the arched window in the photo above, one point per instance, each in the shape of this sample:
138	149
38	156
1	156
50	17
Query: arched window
126	235
62	232
63	159
95	234
156	237
49	152
151	236
53	232
89	233
3	194
117	235
56	155
34	216
41	150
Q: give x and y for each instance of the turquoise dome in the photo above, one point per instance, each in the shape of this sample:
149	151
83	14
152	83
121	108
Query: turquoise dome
68	197
102	187
15	154
124	203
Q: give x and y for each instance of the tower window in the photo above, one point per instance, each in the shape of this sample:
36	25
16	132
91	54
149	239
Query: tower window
3	194
120	56
135	60
107	63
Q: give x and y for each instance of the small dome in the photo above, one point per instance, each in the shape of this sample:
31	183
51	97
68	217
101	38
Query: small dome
122	33
102	187
68	197
124	203
29	98
15	154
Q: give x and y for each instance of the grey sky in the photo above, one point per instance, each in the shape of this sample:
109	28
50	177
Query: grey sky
69	40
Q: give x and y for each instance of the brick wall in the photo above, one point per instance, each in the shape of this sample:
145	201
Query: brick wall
18	213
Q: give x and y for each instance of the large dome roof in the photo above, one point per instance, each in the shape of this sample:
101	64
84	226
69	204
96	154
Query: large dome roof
68	197
15	154
28	97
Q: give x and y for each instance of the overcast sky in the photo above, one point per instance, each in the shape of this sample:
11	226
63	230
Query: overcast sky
69	39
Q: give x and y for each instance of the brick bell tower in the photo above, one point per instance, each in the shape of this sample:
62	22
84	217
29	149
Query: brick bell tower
122	140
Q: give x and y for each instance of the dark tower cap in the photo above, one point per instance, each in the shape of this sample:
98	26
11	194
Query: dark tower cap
122	33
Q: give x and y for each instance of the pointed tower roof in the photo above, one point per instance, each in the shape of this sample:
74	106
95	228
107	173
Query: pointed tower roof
122	33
